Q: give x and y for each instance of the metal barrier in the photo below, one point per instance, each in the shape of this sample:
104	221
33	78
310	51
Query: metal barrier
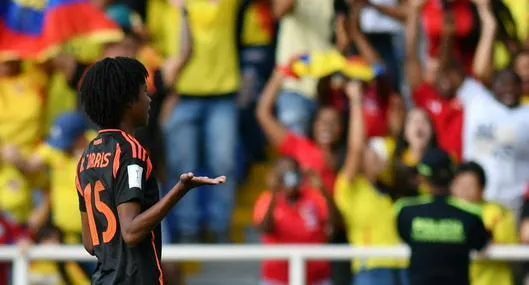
296	254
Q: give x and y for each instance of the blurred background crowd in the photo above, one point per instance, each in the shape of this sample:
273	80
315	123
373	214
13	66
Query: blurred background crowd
313	157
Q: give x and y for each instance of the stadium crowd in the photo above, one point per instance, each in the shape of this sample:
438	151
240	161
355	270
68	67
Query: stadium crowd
345	151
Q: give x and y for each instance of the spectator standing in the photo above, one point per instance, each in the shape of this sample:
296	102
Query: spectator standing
366	209
440	230
295	213
495	133
441	98
205	120
468	185
305	25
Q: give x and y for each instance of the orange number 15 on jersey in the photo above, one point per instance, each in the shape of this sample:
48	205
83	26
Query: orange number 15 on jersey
101	207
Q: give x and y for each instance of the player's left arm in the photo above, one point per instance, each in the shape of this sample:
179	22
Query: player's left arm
130	185
174	65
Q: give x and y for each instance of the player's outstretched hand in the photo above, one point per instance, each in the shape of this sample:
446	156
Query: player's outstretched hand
191	181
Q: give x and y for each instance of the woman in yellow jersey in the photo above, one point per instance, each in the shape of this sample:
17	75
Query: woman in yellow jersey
468	185
366	209
418	135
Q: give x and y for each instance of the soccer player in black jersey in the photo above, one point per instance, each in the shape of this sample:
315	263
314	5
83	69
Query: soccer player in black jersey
118	194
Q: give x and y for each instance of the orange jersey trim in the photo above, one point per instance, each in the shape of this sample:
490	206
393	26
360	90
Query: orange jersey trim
117	158
157	258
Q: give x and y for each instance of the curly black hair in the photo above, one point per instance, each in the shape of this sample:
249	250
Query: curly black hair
109	88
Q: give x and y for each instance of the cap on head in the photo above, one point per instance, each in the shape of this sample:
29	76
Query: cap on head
437	166
67	129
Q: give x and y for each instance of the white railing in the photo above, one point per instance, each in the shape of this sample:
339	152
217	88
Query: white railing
297	255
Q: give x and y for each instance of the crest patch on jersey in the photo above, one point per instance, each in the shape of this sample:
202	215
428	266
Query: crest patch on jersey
135	173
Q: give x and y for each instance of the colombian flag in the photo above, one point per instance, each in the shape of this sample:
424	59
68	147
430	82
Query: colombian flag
322	64
36	29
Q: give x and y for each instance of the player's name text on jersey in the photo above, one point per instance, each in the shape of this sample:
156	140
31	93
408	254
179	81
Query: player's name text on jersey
98	160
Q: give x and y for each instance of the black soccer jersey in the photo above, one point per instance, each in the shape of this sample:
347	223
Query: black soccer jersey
441	233
116	169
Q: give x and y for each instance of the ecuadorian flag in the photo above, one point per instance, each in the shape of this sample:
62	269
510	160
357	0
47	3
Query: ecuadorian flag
36	29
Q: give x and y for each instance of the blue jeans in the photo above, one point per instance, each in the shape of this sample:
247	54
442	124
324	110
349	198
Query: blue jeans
296	111
381	276
205	126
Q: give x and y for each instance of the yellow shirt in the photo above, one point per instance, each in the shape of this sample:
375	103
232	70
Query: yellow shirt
307	28
63	196
156	11
21	110
15	193
61	98
369	219
47	272
502	224
214	66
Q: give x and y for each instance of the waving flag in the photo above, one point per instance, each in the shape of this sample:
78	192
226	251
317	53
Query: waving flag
321	64
36	29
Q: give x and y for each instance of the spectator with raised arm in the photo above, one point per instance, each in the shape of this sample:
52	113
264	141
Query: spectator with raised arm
294	212
384	108
321	154
366	207
441	98
495	123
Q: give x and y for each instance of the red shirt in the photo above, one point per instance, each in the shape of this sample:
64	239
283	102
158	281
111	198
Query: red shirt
300	223
447	116
310	157
433	20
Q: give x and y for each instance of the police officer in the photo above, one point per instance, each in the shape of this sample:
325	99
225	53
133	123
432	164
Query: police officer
440	230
